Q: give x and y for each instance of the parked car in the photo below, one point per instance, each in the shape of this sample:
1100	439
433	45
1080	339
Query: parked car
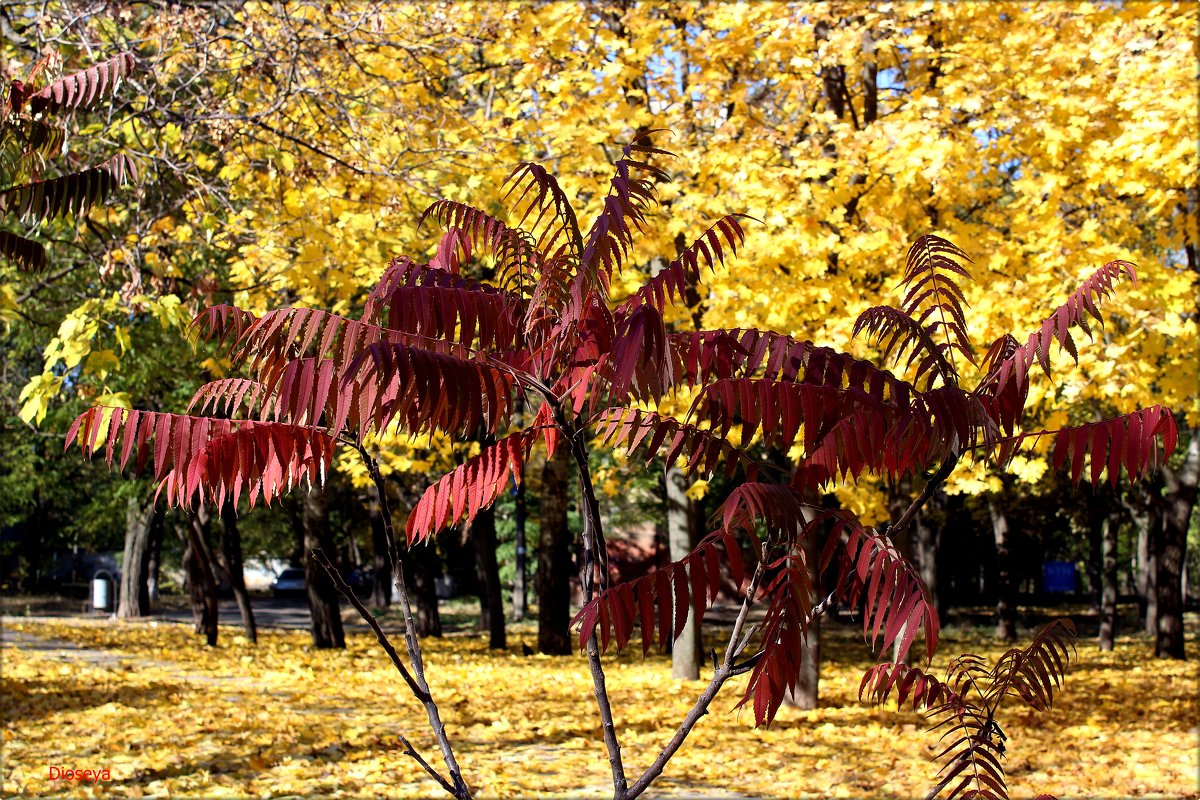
289	583
360	580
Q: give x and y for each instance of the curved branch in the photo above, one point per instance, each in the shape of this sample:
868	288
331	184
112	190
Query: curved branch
459	788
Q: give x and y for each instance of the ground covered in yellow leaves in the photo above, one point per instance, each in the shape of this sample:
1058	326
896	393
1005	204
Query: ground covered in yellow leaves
168	717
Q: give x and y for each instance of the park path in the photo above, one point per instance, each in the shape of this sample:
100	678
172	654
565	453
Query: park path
237	686
243	689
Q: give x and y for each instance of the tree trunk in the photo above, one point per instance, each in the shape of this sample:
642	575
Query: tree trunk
353	553
381	577
422	566
1108	579
687	648
229	557
520	601
154	559
134	591
554	559
1185	589
1006	610
928	540
807	694
1146	512
491	595
899	497
1178	501
322	593
1097	520
199	574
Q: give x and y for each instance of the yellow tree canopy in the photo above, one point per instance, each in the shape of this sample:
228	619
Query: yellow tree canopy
1044	139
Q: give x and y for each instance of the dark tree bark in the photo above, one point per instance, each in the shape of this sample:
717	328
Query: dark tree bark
520	601
353	553
199	573
1178	500
421	570
681	538
900	496
807	694
808	682
135	591
381	576
229	558
1109	527
491	596
1104	522
322	594
154	559
927	538
1006	608
1096	516
1146	512
554	559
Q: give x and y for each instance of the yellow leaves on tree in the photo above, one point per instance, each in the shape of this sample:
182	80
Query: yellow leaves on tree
1045	138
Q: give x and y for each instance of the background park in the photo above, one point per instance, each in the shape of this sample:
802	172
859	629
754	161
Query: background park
357	343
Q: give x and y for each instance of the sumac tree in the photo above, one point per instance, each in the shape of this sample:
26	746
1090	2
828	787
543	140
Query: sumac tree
32	133
436	351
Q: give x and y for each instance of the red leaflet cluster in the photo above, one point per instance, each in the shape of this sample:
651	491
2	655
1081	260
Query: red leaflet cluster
70	194
692	583
861	442
670	284
198	458
223	324
1004	405
481	228
421	299
706	356
629	198
553	219
896	602
471	318
895	332
427	391
933	298
79	89
784	635
1074	312
1130	441
909	683
964	706
778	507
267	344
226	396
638	362
28	255
460	495
657	436
785	412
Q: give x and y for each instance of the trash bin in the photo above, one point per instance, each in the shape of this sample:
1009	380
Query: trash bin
102	590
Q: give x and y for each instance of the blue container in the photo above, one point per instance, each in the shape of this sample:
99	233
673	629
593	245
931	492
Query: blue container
1058	576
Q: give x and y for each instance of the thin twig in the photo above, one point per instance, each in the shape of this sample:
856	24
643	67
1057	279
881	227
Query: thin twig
956	769
593	542
388	648
412	753
371	620
722	673
459	788
931	485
